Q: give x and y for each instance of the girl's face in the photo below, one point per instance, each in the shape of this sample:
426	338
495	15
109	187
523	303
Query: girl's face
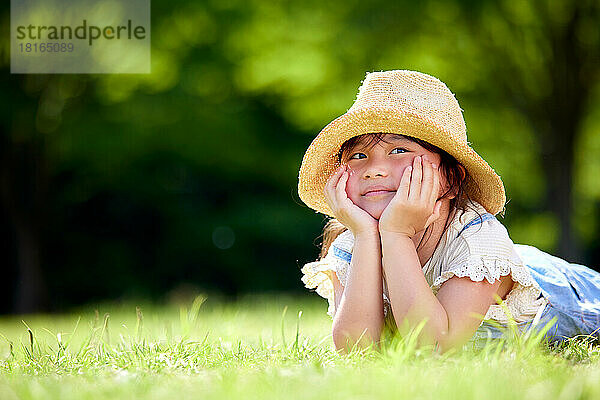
375	171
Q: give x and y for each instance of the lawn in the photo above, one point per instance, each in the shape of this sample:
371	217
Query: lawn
264	347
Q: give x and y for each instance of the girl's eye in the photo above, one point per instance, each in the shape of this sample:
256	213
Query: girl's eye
357	156
400	150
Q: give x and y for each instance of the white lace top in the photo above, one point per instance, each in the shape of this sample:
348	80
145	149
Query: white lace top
473	246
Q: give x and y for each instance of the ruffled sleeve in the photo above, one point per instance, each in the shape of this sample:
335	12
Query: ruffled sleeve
317	274
483	251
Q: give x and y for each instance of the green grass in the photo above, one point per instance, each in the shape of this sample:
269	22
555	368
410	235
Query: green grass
265	347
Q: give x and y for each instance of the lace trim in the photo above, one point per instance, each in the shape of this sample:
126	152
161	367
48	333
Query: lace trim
489	268
316	276
522	301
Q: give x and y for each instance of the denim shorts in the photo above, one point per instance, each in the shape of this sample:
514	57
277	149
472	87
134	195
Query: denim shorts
573	294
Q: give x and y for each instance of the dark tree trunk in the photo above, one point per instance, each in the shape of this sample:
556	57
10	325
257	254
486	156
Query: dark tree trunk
30	293
569	73
557	163
563	112
23	196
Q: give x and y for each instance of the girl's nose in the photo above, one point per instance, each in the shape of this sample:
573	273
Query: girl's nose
375	170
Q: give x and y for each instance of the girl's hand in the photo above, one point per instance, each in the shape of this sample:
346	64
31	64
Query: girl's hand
353	217
414	207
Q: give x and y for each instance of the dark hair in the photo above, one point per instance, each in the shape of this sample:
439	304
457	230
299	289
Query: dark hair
450	167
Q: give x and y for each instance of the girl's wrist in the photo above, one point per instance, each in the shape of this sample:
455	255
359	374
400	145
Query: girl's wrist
369	234
392	230
387	236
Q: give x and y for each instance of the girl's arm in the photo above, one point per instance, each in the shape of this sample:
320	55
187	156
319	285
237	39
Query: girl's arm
450	322
449	316
359	317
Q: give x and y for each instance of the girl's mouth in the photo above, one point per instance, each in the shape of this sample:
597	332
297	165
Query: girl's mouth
378	193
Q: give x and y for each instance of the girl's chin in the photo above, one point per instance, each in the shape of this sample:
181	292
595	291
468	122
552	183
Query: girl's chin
374	209
375	212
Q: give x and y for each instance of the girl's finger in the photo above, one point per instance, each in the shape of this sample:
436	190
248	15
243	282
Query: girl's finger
330	186
334	178
436	183
404	186
340	189
427	186
329	199
415	180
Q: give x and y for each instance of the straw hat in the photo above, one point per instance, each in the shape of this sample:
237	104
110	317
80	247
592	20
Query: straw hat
404	102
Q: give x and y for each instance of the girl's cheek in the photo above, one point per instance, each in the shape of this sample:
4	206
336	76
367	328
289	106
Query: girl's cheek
351	176
352	186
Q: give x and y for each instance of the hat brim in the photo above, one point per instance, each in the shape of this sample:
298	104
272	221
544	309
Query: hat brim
321	158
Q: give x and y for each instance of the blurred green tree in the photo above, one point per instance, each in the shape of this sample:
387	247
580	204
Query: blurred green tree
135	184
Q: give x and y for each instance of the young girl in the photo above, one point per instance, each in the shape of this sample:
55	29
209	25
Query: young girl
414	235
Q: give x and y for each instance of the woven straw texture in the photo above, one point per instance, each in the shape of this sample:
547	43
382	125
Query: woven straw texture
404	102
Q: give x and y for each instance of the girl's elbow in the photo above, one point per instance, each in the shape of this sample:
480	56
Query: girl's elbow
341	338
341	343
448	342
346	339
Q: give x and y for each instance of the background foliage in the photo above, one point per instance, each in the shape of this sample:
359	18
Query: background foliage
138	185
